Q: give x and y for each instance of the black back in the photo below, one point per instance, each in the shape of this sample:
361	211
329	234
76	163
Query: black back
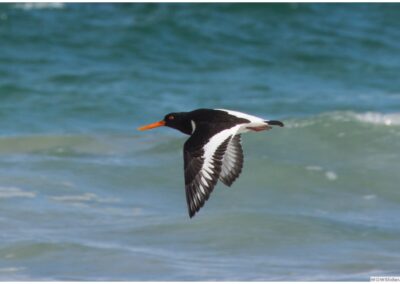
208	122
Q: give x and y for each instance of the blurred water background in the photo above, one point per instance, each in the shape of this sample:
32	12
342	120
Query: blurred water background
84	196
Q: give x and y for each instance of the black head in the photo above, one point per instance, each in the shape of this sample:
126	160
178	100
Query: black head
177	120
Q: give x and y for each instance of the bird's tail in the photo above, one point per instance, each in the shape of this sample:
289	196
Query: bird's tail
275	122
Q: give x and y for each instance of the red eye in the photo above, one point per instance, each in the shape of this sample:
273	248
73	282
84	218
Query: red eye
171	117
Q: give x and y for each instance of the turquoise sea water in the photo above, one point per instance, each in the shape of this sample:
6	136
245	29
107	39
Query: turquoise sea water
85	196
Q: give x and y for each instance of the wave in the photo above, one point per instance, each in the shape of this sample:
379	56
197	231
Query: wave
11	269
85	197
111	148
376	118
36	6
15	192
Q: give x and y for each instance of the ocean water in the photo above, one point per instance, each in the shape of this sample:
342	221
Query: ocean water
85	196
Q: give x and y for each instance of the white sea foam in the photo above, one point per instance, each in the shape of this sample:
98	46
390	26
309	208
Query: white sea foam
42	5
330	175
11	269
379	118
314	168
86	197
13	192
376	118
369	196
299	124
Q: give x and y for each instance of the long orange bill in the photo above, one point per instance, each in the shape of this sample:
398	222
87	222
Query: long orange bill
153	125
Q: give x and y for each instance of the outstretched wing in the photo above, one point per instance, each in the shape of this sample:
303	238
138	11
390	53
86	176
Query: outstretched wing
232	162
203	156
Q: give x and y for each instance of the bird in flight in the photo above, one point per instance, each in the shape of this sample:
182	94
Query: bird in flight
213	150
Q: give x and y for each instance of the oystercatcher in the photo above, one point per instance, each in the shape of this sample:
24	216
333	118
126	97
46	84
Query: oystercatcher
213	150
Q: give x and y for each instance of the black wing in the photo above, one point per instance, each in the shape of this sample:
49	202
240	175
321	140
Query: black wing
202	170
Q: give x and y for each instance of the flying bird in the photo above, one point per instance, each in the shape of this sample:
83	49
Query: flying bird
213	150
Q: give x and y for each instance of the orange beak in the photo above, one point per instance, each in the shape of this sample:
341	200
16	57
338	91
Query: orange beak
153	125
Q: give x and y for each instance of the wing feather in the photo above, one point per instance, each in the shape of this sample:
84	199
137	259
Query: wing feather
203	162
199	179
232	162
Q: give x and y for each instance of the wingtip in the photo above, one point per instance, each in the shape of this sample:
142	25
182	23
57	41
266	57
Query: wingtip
191	213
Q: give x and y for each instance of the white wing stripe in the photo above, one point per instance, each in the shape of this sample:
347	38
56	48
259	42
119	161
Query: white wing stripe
216	140
203	189
206	174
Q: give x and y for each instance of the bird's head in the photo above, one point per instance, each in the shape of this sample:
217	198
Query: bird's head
177	120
